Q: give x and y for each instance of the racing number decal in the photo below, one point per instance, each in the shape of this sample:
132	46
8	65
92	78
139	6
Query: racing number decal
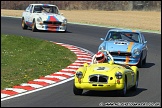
101	68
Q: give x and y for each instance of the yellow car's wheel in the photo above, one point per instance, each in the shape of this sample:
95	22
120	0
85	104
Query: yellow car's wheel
77	91
124	90
136	84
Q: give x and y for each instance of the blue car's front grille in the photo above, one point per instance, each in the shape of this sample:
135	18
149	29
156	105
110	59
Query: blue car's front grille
121	53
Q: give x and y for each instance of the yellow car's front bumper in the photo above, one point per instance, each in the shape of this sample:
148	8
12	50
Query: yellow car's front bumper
99	86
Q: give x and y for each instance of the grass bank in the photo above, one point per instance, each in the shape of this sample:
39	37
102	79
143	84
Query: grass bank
24	59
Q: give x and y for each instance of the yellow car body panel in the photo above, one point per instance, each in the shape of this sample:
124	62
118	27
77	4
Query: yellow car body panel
107	71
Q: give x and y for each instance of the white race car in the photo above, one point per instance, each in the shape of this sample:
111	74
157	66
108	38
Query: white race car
43	17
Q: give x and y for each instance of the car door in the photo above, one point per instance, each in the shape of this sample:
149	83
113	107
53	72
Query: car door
31	14
130	76
26	14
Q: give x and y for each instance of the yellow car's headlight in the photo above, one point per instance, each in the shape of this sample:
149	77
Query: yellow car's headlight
79	74
118	75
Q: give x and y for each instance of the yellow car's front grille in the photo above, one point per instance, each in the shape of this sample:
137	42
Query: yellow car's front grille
98	78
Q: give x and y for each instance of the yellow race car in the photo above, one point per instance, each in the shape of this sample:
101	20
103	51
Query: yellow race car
106	77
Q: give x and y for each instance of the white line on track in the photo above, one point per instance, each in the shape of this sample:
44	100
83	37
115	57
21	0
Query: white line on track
36	89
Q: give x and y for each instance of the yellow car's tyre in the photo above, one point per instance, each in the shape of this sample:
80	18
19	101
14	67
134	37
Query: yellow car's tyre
124	90
136	84
34	29
77	91
24	26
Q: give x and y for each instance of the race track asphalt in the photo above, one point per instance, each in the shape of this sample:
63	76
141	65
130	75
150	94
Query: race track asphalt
88	37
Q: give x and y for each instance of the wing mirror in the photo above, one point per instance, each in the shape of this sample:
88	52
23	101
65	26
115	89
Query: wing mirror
145	42
102	39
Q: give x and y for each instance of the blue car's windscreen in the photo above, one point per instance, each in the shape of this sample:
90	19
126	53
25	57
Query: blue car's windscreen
125	36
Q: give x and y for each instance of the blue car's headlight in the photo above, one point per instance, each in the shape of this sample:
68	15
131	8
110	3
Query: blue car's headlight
79	74
137	51
118	75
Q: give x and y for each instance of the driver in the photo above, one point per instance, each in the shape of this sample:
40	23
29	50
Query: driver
100	57
116	36
43	10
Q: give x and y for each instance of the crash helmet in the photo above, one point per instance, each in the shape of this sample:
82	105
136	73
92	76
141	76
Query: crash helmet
100	57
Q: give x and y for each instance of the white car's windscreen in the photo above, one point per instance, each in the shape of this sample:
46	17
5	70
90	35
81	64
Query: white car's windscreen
47	9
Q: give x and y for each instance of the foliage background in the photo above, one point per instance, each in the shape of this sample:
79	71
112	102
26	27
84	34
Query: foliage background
89	5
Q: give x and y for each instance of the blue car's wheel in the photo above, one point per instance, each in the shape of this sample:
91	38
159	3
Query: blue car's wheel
140	63
144	61
77	91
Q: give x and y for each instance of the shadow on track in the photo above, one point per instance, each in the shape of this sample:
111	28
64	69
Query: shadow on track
130	93
148	65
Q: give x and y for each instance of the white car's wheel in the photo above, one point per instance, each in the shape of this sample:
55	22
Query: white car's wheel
24	26
65	30
34	29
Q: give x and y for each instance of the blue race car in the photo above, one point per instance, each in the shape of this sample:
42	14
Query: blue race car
126	46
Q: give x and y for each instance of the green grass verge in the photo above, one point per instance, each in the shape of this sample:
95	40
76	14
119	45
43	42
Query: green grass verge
24	59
